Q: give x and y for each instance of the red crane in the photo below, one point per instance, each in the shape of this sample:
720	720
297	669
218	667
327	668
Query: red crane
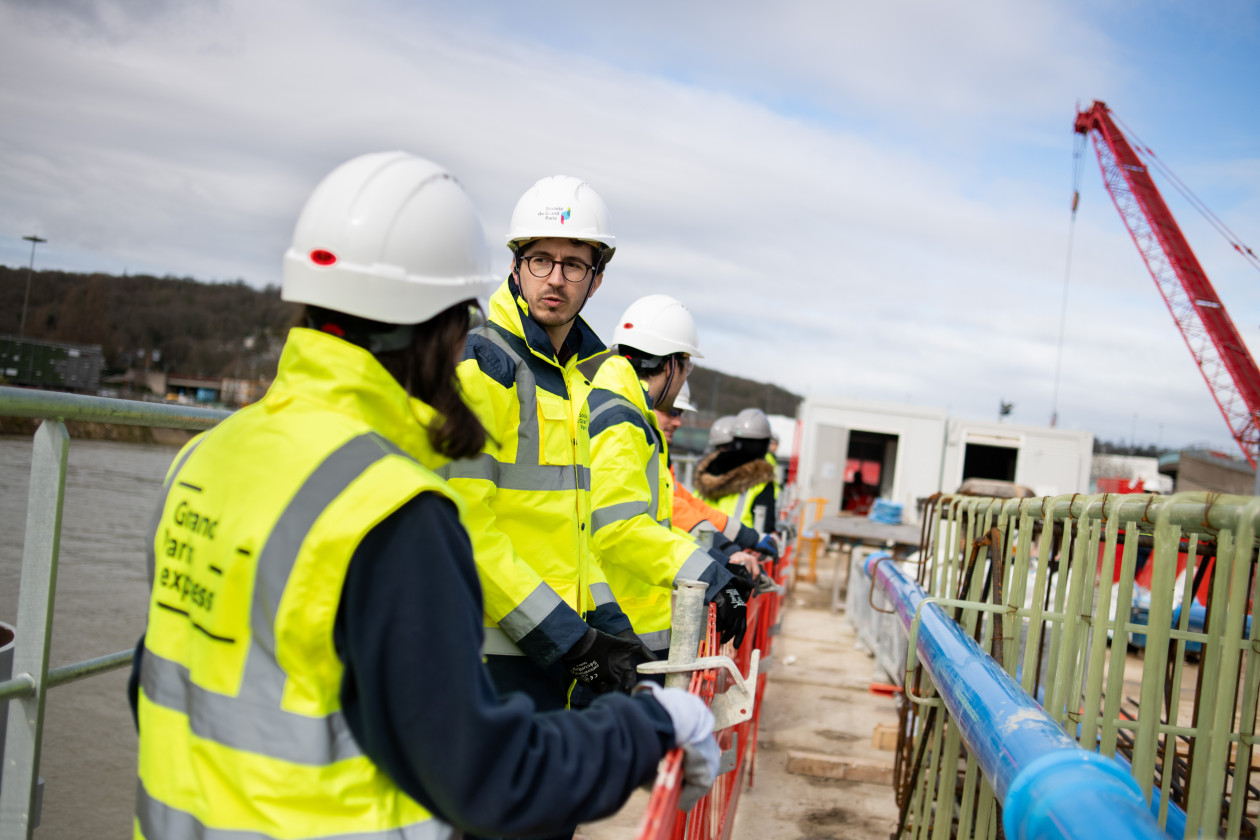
1213	340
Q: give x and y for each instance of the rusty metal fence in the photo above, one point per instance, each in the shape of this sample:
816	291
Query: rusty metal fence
1128	618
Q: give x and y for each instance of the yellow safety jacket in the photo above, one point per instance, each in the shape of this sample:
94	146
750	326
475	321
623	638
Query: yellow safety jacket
241	727
633	499
734	492
528	494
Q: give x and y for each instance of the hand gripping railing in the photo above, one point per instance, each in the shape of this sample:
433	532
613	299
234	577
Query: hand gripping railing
1048	785
732	682
26	691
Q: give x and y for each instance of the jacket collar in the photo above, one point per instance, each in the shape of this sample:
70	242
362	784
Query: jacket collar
342	377
509	310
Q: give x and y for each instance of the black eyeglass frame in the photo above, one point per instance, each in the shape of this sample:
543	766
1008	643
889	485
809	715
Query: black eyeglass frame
588	269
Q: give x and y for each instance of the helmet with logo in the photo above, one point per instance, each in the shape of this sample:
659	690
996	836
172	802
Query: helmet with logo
683	400
720	431
388	237
751	424
657	325
565	207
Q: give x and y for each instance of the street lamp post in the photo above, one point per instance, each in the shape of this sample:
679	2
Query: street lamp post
34	241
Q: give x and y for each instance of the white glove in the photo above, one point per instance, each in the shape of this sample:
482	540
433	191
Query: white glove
693	731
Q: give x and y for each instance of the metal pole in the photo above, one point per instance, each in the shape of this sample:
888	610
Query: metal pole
688	627
30	269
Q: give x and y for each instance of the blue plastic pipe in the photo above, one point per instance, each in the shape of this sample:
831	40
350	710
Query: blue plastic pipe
1048	785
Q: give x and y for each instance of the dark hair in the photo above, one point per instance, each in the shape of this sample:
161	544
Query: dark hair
644	364
424	367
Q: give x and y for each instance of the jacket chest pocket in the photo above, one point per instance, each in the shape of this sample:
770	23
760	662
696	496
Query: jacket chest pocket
558	435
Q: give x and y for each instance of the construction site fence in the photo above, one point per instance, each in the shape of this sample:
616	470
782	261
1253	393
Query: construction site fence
1021	617
26	680
694	664
25	647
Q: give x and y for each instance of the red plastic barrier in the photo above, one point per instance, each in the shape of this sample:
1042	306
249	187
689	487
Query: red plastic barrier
714	815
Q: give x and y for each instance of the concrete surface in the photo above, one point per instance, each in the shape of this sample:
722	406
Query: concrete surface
817	702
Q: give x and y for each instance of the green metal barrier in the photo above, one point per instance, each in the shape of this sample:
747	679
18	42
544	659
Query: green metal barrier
1046	586
26	690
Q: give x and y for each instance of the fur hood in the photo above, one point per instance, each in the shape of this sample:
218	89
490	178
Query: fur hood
741	478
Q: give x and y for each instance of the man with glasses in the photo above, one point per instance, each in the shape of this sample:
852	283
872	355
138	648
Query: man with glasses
643	557
549	613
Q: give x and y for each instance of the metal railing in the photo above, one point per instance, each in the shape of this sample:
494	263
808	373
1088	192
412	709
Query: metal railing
1059	591
32	678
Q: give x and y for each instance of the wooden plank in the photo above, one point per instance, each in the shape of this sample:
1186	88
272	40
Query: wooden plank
884	737
826	766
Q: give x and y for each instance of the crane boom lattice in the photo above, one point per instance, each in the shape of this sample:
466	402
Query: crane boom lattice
1214	342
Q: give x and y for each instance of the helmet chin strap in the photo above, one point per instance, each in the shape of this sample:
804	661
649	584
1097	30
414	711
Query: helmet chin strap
669	380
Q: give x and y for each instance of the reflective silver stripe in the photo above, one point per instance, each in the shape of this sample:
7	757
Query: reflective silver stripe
731	531
526	477
609	406
263	680
601	593
159	821
530	612
618	513
655	641
653	471
527	443
694	566
265	730
739	507
498	644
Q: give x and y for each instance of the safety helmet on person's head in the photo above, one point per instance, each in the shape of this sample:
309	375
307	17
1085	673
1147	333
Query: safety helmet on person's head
751	424
564	207
720	431
657	325
683	402
388	237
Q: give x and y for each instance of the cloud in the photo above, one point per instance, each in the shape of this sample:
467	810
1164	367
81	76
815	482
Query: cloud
861	199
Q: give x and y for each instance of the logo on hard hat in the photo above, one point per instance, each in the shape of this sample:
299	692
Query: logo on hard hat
550	214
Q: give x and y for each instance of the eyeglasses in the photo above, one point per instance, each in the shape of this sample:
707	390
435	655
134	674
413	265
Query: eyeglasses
476	317
675	413
687	365
540	265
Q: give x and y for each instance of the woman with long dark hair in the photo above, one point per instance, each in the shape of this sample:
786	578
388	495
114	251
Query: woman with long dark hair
311	665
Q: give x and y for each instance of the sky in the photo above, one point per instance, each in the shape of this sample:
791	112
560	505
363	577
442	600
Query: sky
856	200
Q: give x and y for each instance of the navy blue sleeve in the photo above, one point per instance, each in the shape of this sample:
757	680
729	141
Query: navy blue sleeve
420	704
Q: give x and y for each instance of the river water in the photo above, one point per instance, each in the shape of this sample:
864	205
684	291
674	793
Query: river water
89	745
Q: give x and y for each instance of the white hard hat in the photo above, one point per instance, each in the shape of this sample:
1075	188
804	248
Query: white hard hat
565	207
683	400
720	431
657	325
751	423
389	237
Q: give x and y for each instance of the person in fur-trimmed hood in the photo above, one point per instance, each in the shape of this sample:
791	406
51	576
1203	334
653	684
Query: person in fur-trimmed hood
736	478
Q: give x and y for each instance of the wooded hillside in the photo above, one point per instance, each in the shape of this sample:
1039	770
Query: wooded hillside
233	330
200	329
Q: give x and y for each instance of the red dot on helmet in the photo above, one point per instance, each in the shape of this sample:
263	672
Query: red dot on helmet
321	257
627	326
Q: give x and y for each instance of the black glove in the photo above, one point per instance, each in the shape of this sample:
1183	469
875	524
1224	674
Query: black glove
732	605
606	663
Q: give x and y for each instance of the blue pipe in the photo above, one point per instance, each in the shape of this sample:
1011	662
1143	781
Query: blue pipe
1049	787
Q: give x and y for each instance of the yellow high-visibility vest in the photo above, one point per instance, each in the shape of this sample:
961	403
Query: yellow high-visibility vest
241	726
